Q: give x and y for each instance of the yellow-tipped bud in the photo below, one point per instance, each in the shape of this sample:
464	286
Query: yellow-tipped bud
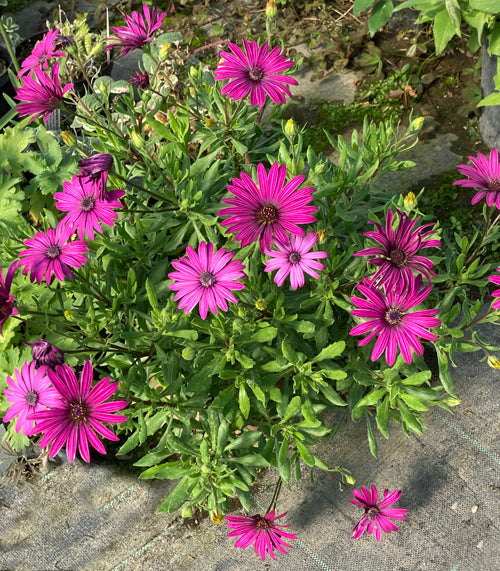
208	123
290	128
493	362
410	201
217	518
350	480
452	401
137	139
68	314
164	51
321	234
68	138
271	9
260	304
161	117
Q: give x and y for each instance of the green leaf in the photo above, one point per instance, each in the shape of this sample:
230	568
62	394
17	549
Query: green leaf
292	408
151	292
413	402
417	378
380	15
177	497
490	6
245	440
284	462
332	396
251	460
165	471
130	444
371	398
444	29
408	417
444	373
305	453
361	6
383	417
244	401
372	443
330	352
263	335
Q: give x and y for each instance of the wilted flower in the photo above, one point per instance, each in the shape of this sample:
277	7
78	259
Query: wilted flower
88	204
42	52
389	316
41	96
29	392
50	252
262	532
294	258
272	208
484	176
80	411
6	298
96	164
206	277
255	71
45	353
137	32
140	79
398	254
377	514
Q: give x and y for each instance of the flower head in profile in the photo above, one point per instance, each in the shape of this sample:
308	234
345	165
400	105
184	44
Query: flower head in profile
293	258
88	204
377	514
30	391
269	208
138	31
255	71
44	353
140	79
50	253
95	165
42	94
6	298
206	277
261	531
79	414
483	176
398	254
389	316
496	293
41	54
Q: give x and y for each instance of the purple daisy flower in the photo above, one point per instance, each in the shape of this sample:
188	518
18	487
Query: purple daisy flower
377	514
46	354
42	52
255	71
29	392
398	253
389	317
206	277
262	531
269	209
495	280
88	204
49	252
294	258
95	165
484	176
137	32
80	411
6	298
140	79
41	96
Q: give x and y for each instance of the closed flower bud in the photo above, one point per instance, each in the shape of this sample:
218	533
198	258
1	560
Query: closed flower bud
493	362
208	123
290	128
271	10
137	139
95	165
164	51
68	138
321	234
453	401
188	353
46	354
260	304
410	201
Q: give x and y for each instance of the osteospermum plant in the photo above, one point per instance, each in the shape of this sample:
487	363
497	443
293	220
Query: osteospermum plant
184	256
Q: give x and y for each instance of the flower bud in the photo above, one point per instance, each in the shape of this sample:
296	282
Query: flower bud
452	401
164	51
321	234
68	138
68	314
290	128
493	362
271	10
137	139
350	480
217	518
260	304
188	353
410	201
208	123
161	117
46	354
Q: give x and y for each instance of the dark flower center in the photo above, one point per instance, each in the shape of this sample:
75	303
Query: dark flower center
372	512
398	257
267	214
262	523
53	251
53	102
255	74
31	398
78	412
494	184
5	307
87	203
207	279
393	316
294	257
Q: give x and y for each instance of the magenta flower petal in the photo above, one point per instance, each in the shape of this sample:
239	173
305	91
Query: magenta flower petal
267	209
50	253
495	293
375	518
390	318
255	72
78	413
262	531
206	277
483	176
46	354
95	165
6	298
41	54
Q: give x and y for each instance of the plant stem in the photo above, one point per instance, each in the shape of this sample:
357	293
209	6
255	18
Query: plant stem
274	500
10	47
97	293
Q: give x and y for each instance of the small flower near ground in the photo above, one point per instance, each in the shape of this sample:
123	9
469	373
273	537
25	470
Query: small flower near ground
294	258
140	79
262	532
6	298
483	176
88	204
50	253
377	514
496	293
388	316
255	72
42	52
96	164
45	353
206	277
74	420
42	95
493	362
29	392
138	31
271	208
398	254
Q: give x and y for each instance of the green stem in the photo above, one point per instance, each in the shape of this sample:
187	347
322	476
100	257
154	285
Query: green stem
97	293
274	500
10	47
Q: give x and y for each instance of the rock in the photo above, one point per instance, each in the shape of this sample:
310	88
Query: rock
489	122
